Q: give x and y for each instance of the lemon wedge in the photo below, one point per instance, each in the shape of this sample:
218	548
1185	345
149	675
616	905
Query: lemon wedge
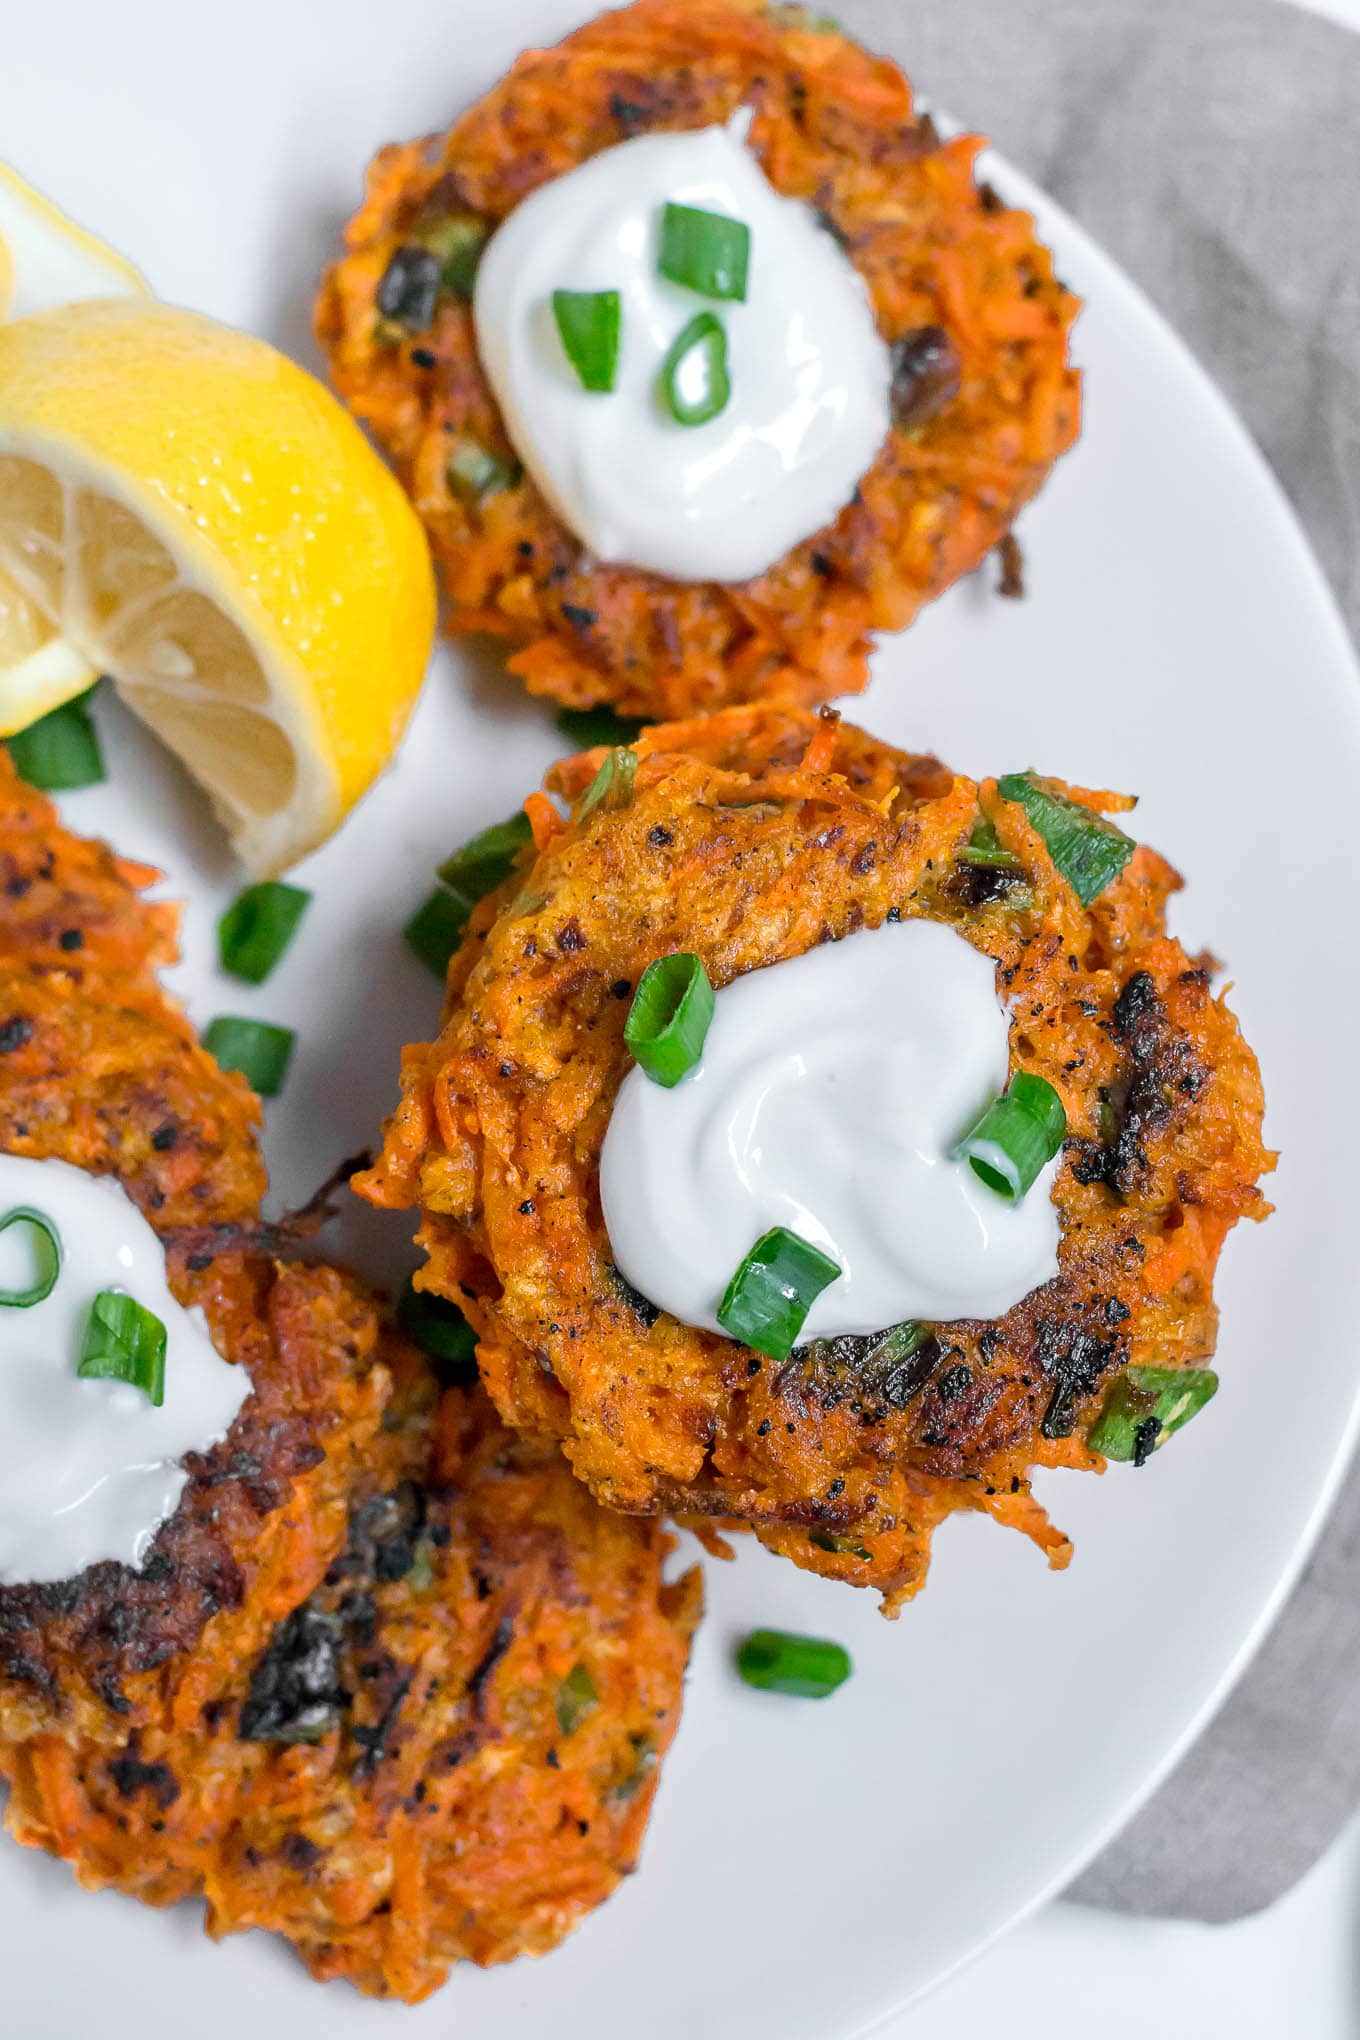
48	259
45	260
196	516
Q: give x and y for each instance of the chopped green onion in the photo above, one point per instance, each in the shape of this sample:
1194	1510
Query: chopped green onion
124	1342
435	930
767	1301
442	1333
589	727
257	1049
458	241
706	251
257	928
576	1698
1145	1405
640	1769
695	383
46	1245
670	1016
779	1662
612	784
60	752
474	473
487	860
1016	1137
1087	851
986	850
589	323
847	1547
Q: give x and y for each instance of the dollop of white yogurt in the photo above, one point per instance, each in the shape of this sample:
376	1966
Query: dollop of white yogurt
831	1093
90	1469
810	372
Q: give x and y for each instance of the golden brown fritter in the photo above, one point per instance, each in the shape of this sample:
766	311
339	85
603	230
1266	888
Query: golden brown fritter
447	1752
749	838
984	398
388	1683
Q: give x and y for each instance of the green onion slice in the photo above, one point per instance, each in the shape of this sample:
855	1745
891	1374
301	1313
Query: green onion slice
60	752
779	1662
587	728
257	928
1016	1137
458	240
577	1696
706	251
986	850
695	384
670	1016
435	930
474	473
1087	851
1145	1405
45	1242
767	1301
487	860
612	785
124	1342
442	1333
589	323
259	1050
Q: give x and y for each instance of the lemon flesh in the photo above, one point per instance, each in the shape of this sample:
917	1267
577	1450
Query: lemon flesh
196	516
45	260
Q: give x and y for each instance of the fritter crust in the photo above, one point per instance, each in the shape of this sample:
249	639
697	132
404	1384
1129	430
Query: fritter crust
99	1068
329	1701
750	838
985	400
448	1752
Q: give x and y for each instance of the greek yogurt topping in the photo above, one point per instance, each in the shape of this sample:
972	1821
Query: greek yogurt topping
810	374
830	1096
91	1468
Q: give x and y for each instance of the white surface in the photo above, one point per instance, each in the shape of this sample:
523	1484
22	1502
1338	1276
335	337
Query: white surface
831	1096
809	405
822	1862
90	1469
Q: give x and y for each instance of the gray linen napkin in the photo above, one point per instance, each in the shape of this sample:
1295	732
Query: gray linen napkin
1213	147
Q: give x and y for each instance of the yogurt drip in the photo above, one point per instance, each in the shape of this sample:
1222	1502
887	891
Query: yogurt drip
810	373
91	1469
829	1098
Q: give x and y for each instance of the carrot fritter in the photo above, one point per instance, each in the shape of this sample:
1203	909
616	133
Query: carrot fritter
984	398
447	1752
388	1681
748	838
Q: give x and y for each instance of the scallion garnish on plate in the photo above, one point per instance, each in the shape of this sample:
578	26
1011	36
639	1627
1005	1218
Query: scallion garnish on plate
767	1301
985	849
258	1049
589	324
778	1661
124	1342
670	1016
708	252
587	728
695	383
435	930
45	1241
1088	851
60	752
257	928
1145	1406
1016	1137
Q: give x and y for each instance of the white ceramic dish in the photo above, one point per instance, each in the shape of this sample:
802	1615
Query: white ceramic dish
809	1868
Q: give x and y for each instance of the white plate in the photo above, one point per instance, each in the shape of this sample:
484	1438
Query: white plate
810	1867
